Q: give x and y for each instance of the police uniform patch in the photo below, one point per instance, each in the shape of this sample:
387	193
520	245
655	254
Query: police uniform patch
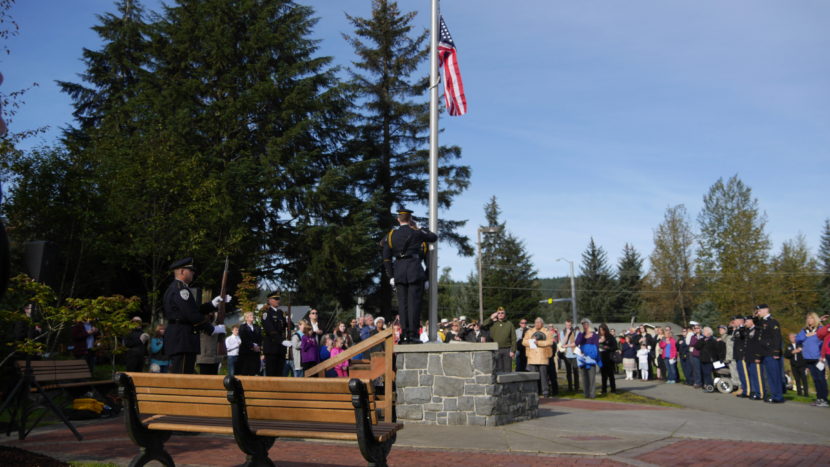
185	294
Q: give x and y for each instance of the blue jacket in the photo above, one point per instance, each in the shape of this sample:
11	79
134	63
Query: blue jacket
810	346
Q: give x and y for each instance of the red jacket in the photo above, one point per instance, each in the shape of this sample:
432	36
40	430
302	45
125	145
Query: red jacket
672	351
823	333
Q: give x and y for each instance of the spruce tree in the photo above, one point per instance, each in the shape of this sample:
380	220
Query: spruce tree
628	302
733	248
595	287
509	274
391	128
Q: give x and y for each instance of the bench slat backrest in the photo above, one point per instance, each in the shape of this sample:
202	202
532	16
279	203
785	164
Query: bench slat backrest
325	400
49	371
189	395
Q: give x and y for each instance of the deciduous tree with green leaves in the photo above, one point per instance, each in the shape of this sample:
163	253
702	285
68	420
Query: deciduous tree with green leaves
733	249
670	281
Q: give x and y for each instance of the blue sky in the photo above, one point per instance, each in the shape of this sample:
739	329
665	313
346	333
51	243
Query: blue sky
586	118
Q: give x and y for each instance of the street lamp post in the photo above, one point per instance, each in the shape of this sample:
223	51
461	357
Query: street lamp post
491	229
573	288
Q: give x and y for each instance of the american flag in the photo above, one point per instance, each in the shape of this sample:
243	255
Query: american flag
453	87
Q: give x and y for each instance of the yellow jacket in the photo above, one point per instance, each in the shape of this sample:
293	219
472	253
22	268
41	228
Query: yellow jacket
544	351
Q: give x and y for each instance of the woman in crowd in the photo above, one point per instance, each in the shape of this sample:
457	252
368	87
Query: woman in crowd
607	348
159	363
588	360
454	334
668	351
539	341
658	360
309	349
629	355
342	332
811	350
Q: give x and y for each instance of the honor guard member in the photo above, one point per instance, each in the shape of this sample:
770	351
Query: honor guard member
739	353
185	319
770	340
276	327
753	360
402	260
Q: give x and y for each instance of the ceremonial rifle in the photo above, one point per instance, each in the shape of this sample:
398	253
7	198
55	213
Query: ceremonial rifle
220	315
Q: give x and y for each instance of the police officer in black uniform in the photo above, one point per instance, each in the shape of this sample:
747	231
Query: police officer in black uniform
402	260
185	319
770	340
275	323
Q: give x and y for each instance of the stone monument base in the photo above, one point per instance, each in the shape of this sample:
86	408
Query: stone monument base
454	384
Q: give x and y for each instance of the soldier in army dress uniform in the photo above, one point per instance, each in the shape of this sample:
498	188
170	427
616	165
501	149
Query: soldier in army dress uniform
184	319
275	323
771	351
402	260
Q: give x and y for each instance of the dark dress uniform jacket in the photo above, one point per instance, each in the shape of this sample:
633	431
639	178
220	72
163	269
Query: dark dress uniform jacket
405	245
770	337
249	338
184	320
739	343
274	324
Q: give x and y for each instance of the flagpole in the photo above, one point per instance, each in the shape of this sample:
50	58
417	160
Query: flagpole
433	173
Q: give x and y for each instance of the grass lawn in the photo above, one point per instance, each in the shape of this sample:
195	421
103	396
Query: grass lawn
622	396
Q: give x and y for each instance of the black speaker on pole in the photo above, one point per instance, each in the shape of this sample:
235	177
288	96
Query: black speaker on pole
40	260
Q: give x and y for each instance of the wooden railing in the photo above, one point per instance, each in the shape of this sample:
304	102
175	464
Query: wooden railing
387	337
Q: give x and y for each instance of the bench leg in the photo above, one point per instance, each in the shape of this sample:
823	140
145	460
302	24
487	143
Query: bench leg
256	453
376	452
153	449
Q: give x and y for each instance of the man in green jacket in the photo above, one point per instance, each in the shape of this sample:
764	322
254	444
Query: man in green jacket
503	333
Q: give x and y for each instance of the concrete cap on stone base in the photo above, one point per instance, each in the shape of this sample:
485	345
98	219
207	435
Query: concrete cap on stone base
457	347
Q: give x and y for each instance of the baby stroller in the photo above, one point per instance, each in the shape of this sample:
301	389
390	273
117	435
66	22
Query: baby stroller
723	381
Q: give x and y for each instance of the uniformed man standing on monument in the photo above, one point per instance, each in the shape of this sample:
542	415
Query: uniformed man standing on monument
402	260
184	319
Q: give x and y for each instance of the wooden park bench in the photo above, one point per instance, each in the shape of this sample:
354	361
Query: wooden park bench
255	410
42	377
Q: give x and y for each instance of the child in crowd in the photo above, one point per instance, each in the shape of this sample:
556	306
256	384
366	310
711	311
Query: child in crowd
342	369
642	356
232	344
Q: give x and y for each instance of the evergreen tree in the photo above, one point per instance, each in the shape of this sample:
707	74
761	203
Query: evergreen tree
509	274
391	131
628	302
796	286
595	287
733	248
824	267
670	281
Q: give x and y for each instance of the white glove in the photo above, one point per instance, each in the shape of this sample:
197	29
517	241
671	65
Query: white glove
218	299
426	285
219	329
392	282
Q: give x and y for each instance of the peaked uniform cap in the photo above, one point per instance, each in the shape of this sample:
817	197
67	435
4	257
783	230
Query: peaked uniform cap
184	263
